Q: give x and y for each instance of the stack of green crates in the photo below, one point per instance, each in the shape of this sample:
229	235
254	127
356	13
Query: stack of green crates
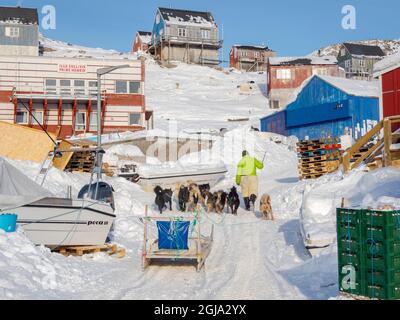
369	253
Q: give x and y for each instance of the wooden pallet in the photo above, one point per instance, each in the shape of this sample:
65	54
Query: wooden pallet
311	148
309	143
311	176
313	159
320	164
79	251
313	171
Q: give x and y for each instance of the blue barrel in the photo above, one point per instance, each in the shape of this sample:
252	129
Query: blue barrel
8	222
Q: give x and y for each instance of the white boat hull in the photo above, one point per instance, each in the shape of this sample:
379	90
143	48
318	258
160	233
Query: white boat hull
148	183
66	222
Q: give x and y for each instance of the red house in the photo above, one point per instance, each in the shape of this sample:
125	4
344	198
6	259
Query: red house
61	94
141	42
286	74
250	58
388	71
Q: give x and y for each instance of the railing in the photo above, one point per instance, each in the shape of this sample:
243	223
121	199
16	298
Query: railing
214	42
383	132
390	137
56	92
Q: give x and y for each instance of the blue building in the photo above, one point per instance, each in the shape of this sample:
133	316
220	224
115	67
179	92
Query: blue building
328	106
185	35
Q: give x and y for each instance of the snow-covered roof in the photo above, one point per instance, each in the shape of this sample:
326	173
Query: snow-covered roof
248	47
188	17
387	64
308	60
145	36
19	15
361	88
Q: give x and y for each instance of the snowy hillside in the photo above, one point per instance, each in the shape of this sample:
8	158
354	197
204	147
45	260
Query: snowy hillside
55	48
388	46
188	93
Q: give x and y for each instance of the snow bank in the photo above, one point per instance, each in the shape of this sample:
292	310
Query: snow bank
116	152
30	272
359	189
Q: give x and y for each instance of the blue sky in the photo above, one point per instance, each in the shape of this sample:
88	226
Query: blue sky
290	27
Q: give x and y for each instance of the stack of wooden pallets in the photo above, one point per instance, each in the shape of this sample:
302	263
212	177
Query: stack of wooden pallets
318	157
82	161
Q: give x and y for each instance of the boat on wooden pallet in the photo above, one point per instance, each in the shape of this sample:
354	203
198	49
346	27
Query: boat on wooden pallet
79	251
53	221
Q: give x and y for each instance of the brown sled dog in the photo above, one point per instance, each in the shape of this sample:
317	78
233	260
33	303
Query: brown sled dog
266	208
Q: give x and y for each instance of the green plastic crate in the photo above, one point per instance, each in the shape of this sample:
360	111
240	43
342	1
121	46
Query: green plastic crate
369	242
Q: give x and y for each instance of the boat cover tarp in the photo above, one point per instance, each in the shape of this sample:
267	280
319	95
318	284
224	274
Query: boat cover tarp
16	189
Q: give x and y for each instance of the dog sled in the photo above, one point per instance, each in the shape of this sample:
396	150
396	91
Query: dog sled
179	240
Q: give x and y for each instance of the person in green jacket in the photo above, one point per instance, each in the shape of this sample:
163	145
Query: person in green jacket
247	179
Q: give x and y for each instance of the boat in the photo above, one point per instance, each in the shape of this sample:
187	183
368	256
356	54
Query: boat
53	221
169	177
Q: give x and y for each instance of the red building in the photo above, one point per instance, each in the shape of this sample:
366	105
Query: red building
286	74
388	70
141	42
250	58
61	93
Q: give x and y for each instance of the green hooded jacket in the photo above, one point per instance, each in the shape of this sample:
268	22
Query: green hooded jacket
248	167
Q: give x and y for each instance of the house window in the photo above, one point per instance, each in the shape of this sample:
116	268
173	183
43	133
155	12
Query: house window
51	86
181	32
65	87
93	122
93	88
121	87
134	119
362	63
275	104
134	87
22	117
79	87
124	87
38	115
347	64
12	32
80	123
284	74
205	34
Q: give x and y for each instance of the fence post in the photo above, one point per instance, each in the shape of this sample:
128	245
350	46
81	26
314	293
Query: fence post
387	129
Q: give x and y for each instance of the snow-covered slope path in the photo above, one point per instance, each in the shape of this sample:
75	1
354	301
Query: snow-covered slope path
250	259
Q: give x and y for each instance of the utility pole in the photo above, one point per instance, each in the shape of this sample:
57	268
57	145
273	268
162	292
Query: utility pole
99	156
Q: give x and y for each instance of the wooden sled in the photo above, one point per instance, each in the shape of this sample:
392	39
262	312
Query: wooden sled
199	247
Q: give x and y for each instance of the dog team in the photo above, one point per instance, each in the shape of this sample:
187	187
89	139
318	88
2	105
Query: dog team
193	195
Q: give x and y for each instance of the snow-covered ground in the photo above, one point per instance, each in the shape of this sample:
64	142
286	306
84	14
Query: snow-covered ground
196	97
251	258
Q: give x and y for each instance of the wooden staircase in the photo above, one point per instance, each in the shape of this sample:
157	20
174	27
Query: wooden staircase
377	148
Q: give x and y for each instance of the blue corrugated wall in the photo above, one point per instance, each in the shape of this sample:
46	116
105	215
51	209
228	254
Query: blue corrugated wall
275	123
322	110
